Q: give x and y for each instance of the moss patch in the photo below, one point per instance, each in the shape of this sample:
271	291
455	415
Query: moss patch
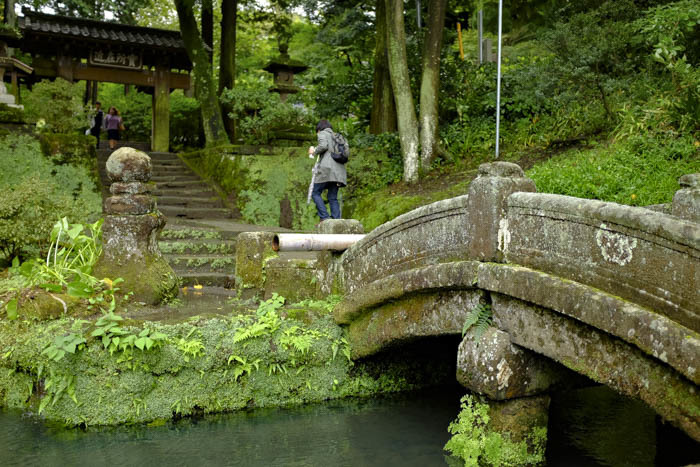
206	365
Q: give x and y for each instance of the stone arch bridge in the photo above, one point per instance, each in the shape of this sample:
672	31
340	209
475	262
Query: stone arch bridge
608	291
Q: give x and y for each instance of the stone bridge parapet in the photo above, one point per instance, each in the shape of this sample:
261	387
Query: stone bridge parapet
611	292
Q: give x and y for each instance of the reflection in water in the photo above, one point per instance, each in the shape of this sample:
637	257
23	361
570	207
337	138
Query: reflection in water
405	430
588	427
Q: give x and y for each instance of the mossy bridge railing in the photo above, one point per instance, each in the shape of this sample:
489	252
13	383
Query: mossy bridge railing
608	291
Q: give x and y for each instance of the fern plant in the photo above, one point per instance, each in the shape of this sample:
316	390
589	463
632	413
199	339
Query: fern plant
480	318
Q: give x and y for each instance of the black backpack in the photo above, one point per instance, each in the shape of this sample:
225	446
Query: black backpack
341	149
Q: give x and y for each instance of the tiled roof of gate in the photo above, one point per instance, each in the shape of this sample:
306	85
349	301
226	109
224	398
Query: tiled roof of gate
85	29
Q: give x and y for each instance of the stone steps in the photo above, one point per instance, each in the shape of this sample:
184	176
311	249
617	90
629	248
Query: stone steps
182	184
197	192
184	177
170	169
200	246
194	213
189	201
199	256
213	279
175	231
206	264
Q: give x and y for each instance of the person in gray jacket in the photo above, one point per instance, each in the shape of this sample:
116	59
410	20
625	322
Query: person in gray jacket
330	175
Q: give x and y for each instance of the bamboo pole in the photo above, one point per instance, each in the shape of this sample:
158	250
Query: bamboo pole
314	242
459	38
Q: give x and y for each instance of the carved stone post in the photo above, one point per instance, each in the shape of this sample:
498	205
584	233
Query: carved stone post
487	206
686	201
130	231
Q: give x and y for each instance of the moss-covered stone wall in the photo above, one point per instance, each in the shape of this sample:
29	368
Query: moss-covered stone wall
204	365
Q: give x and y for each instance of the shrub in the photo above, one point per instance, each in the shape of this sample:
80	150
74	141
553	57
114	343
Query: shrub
185	122
134	108
11	114
59	104
641	170
259	113
475	444
36	193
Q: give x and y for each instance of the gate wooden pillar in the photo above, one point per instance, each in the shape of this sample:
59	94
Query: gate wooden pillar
160	128
64	67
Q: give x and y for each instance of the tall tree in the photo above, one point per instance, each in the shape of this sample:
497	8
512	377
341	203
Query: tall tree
227	57
205	88
383	117
430	82
398	68
208	27
124	11
9	16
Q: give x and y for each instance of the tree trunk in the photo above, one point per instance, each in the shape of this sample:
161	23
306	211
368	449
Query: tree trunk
430	82
208	27
205	88
383	118
227	59
398	67
10	15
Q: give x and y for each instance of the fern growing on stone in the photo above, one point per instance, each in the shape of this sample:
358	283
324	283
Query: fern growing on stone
480	318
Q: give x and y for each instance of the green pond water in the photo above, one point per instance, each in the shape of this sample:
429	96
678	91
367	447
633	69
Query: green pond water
588	427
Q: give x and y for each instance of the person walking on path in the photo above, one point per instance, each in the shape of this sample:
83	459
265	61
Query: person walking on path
114	124
97	123
328	174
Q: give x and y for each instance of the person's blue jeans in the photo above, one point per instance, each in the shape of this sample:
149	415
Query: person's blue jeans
332	188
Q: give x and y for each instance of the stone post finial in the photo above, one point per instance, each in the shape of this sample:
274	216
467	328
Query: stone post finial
131	228
686	201
488	192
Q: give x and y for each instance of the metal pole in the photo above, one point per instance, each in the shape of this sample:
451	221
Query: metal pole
481	36
418	13
314	242
498	74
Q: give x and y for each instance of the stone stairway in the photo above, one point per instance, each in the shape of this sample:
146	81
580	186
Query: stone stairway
199	252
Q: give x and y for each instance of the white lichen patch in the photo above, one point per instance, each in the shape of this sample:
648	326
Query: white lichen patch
615	247
504	374
503	235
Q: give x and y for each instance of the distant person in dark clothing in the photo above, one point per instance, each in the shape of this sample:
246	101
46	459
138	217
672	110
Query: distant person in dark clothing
114	124
97	122
329	175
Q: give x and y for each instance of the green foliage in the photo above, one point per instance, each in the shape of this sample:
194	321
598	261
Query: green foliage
36	193
480	317
672	30
190	348
56	385
69	260
185	122
265	323
476	445
135	109
640	170
11	114
59	104
62	345
325	306
260	113
114	338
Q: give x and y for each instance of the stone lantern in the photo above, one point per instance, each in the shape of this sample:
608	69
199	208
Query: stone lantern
283	69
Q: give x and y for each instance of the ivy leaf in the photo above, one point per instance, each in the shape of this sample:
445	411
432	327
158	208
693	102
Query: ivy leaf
11	309
55	288
79	289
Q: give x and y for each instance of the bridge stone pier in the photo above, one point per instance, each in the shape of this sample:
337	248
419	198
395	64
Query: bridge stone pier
575	286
